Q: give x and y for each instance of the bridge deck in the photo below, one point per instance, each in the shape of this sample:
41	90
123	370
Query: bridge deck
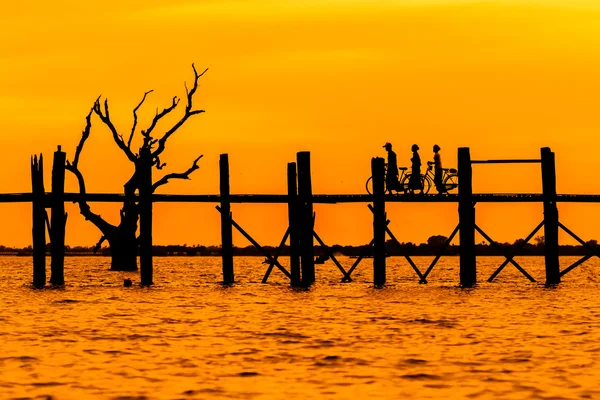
317	198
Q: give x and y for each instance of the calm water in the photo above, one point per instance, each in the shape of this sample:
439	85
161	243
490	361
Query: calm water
189	337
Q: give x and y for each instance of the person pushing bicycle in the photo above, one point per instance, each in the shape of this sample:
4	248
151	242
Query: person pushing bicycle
437	178
391	177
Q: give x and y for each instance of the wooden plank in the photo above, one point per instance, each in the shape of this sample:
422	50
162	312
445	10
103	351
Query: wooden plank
317	198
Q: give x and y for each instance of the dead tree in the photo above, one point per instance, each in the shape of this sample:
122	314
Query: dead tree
122	238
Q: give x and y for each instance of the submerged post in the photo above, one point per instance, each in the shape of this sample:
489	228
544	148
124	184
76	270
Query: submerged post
145	190
466	217
58	219
226	228
293	218
38	221
379	220
305	211
550	217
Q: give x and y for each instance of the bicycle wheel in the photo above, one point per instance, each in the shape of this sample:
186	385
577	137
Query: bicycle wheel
404	183
450	182
369	186
425	183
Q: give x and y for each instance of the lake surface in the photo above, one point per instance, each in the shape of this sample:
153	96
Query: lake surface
189	337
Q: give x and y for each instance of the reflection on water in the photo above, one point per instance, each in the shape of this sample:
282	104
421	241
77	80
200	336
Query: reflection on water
188	337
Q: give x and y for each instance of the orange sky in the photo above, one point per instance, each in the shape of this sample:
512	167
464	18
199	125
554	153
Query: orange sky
338	78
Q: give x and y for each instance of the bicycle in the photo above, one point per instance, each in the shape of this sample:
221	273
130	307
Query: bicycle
449	180
403	181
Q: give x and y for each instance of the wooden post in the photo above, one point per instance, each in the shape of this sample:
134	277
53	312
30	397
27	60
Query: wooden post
226	228
145	189
58	219
293	223
466	217
379	220
305	218
39	221
550	217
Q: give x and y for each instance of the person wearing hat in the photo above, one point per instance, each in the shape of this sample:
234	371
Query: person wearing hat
415	177
391	177
437	161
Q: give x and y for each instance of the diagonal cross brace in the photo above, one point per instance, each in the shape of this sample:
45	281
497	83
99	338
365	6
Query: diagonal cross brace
576	264
509	257
362	255
592	251
276	255
329	252
516	250
440	253
410	261
584	244
258	246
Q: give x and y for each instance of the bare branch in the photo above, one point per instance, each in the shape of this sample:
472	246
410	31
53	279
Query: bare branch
99	244
105	117
188	112
84	135
158	164
157	118
84	208
184	175
135	119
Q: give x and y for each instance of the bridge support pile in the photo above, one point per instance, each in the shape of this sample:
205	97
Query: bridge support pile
550	217
226	227
466	218
58	219
39	218
379	220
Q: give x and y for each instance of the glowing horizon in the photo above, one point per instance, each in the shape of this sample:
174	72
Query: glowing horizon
338	79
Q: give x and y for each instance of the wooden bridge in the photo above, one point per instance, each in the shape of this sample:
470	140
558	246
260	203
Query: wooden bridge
301	233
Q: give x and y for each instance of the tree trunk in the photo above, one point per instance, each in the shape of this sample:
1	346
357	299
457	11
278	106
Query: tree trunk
123	250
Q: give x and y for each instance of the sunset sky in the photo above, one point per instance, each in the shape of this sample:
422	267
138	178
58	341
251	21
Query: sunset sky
338	78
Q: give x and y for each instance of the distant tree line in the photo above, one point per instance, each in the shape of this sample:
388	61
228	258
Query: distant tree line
432	247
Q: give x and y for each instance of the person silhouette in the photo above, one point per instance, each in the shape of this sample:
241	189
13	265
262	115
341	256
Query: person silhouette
391	177
415	177
437	162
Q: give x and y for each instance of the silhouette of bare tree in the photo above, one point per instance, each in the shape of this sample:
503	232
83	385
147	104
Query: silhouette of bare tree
122	238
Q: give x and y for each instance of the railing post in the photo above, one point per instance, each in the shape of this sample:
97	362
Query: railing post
466	217
58	219
38	221
293	217
379	220
145	204
550	217
226	228
307	251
